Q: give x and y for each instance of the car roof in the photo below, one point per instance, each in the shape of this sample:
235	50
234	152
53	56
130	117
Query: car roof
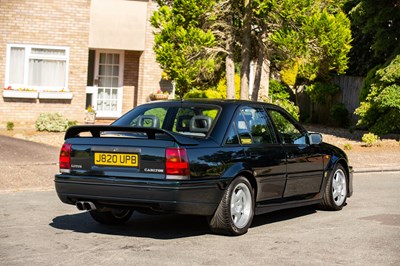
220	102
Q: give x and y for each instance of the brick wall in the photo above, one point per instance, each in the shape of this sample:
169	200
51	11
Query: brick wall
131	75
46	22
150	72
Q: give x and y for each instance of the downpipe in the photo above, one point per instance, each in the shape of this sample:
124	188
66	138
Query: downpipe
85	206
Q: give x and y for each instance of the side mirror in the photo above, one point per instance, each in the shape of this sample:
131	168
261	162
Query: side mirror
315	138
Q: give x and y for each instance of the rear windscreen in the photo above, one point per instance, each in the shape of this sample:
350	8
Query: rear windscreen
194	121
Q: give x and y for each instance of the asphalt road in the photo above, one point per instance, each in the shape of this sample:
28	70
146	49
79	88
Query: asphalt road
26	164
37	229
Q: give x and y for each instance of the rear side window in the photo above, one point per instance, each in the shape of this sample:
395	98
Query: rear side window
253	127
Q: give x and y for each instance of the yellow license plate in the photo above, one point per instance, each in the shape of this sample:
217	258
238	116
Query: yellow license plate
116	159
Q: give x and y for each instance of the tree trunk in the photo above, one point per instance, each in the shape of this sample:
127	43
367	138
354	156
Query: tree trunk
230	70
246	43
264	87
259	71
260	75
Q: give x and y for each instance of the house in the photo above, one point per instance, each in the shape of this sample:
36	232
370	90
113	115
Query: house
63	56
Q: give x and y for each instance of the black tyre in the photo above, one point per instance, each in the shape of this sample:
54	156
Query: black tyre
336	190
235	211
116	216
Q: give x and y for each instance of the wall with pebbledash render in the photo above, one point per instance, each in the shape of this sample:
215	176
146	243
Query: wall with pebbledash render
46	22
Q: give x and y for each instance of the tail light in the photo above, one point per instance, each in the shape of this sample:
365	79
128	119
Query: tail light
65	158
176	163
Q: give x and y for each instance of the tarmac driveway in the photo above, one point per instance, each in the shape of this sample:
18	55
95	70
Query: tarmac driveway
26	165
37	229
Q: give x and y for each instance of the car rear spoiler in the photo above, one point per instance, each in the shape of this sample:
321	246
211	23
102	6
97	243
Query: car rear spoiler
95	130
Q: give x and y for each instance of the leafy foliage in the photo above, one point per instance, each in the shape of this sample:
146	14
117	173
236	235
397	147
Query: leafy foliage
375	27
52	122
10	126
194	39
319	43
339	114
289	74
277	90
221	87
181	45
280	96
347	146
321	92
370	139
380	112
369	80
289	106
209	93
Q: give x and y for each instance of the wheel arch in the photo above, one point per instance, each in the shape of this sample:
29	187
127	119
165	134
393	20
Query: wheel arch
241	170
346	167
344	163
250	177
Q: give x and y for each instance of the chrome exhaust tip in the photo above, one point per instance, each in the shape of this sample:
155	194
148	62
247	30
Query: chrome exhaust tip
89	206
79	206
85	206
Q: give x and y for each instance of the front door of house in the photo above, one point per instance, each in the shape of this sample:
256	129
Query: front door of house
108	83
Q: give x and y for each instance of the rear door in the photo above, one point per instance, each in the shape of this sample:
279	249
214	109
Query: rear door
304	162
263	152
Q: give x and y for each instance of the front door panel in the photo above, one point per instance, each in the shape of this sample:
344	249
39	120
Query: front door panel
304	170
304	164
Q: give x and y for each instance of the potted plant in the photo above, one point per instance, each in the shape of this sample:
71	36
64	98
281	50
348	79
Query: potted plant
159	95
90	115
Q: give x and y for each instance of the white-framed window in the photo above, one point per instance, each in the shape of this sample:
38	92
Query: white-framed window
37	67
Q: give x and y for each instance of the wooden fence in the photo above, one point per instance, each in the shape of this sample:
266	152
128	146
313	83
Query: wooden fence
350	90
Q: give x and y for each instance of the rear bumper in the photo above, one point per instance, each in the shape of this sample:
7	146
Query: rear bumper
184	197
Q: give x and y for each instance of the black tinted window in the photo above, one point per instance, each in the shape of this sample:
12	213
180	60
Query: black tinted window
187	120
253	127
288	131
259	125
232	137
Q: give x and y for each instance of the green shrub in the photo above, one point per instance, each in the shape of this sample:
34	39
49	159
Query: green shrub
196	93
289	106
339	114
370	139
380	112
278	90
72	123
347	146
279	95
52	122
221	87
10	126
321	93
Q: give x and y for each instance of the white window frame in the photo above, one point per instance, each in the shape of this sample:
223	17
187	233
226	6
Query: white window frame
118	112
28	56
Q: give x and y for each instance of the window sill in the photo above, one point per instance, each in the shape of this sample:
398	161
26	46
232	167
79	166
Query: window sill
56	95
41	95
20	94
